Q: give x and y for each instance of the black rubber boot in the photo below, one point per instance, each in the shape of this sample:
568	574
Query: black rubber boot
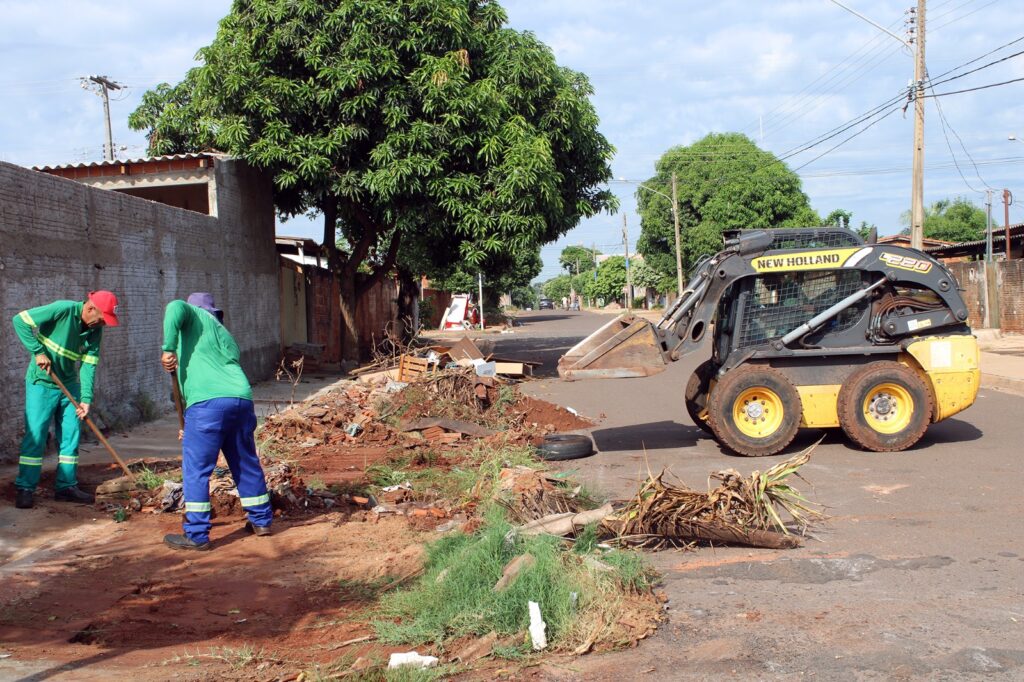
23	499
185	542
73	494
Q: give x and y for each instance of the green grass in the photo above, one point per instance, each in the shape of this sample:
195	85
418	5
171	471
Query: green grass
464	603
149	479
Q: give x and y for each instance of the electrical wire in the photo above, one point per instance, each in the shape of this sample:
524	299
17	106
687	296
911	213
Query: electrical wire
856	134
983	66
946	124
980	87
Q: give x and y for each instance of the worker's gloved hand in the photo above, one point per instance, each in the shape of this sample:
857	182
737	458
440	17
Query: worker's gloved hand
43	362
83	410
169	361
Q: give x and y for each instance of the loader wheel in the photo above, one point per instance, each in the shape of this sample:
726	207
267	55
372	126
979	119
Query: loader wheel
755	411
697	395
885	407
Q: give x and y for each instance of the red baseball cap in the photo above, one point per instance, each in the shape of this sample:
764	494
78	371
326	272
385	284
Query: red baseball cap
106	301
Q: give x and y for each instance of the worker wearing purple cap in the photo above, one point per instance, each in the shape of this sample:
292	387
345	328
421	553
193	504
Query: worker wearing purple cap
59	336
219	416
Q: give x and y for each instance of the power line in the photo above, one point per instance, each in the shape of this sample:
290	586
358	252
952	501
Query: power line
980	87
983	66
859	132
945	124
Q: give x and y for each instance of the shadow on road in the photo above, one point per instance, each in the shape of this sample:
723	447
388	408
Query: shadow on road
543	350
528	320
651	436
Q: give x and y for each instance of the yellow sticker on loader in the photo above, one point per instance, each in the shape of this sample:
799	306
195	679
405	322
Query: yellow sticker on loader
808	260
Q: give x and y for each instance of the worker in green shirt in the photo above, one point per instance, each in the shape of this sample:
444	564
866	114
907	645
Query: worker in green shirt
219	417
59	336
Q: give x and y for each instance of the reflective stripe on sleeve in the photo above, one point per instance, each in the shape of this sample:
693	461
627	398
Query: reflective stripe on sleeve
27	319
90	359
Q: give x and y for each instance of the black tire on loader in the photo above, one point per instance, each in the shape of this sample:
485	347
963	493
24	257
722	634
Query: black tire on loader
696	395
885	407
754	410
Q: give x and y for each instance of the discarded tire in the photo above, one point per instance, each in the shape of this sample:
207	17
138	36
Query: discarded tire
561	446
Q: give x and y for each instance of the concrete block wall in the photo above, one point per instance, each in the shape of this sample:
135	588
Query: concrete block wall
60	239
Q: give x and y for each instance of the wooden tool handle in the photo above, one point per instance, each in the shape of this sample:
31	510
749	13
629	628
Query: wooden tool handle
110	449
177	399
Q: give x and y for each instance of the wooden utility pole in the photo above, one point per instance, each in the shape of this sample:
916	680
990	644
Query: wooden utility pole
675	217
629	271
917	187
1007	200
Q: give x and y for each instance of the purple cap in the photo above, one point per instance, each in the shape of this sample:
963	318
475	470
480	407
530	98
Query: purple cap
204	300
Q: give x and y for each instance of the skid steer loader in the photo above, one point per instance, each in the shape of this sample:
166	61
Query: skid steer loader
809	328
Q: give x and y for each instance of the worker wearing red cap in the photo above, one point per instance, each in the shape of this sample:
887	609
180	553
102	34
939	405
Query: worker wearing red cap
59	336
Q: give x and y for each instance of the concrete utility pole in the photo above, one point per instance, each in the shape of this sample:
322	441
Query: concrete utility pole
629	272
480	284
917	187
105	85
988	225
675	217
1007	200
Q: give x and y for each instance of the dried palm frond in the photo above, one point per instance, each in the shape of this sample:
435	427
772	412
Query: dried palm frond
739	510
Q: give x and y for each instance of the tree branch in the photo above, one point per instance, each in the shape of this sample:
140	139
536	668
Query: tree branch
389	262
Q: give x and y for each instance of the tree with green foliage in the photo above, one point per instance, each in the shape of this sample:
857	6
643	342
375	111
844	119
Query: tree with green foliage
421	130
502	273
838	218
952	220
575	259
611	280
558	287
725	182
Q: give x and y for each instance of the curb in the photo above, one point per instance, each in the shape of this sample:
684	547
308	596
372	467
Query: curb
1001	383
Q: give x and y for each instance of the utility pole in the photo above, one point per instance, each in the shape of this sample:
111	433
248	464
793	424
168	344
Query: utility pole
988	225
675	217
917	186
480	284
1007	200
629	273
593	250
105	85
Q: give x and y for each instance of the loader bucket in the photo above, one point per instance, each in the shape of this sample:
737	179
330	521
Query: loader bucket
625	347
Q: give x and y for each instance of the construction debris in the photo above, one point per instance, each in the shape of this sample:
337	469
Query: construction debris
565	524
513	569
743	511
411	659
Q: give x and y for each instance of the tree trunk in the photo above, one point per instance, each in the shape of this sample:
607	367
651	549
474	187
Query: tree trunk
408	292
349	328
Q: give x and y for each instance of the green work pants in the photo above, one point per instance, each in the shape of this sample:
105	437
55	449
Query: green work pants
45	404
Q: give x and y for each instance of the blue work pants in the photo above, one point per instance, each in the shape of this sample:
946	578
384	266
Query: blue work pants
213	426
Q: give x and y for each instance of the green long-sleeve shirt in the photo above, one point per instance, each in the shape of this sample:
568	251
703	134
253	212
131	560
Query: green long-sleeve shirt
57	331
208	357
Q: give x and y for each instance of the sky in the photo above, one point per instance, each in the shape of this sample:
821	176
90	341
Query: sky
665	73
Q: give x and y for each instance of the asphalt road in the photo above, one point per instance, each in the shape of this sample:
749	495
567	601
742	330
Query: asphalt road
917	574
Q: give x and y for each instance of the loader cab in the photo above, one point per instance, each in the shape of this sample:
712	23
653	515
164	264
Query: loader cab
759	309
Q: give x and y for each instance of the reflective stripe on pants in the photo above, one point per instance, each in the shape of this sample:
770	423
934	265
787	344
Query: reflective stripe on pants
213	426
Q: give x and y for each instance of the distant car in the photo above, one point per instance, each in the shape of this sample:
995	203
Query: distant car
546	304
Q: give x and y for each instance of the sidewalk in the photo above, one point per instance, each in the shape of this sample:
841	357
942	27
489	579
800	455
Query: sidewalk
1002	361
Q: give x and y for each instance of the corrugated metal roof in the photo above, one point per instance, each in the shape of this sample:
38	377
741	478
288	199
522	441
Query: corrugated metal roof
998	234
123	162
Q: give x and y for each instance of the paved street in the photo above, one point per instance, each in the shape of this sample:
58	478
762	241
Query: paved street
919	571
